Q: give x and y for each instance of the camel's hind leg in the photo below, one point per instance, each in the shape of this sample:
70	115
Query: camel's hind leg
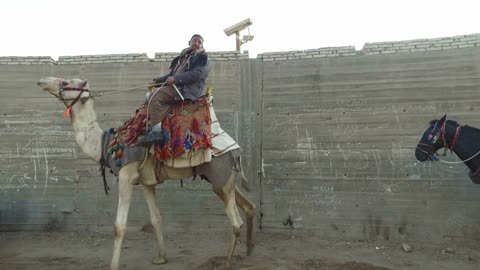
156	220
127	176
227	194
249	209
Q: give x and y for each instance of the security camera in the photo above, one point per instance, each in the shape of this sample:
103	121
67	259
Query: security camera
247	38
237	27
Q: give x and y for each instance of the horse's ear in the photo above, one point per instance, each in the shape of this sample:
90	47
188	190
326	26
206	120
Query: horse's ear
441	122
443	119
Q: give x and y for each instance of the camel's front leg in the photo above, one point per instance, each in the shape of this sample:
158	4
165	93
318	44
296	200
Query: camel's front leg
227	194
156	220
126	178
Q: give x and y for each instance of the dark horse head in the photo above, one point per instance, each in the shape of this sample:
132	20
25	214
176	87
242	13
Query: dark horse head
464	141
432	140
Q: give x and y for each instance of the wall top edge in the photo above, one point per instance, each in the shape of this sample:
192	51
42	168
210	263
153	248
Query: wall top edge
384	47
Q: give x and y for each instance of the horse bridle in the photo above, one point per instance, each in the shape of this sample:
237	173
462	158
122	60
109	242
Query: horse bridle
433	138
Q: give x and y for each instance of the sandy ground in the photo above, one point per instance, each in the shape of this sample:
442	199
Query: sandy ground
279	251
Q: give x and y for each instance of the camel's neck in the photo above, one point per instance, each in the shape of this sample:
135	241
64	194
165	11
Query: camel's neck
88	133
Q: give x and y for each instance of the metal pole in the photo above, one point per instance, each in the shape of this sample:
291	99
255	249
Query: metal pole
237	34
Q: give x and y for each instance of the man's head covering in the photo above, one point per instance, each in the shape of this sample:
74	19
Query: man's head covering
196	35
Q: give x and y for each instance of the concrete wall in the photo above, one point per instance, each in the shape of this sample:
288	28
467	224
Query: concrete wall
328	137
46	183
339	135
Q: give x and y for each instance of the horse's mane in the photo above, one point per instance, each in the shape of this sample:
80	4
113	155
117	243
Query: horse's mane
432	122
455	123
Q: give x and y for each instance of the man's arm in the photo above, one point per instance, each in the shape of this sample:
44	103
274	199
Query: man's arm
163	78
192	76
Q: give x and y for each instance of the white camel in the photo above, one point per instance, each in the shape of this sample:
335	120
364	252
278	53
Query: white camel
221	172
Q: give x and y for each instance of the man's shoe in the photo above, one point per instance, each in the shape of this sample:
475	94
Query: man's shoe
153	136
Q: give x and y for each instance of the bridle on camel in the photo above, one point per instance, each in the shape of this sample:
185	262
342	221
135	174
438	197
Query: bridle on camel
66	113
81	89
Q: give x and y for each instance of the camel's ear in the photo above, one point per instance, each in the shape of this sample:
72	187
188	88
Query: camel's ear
65	83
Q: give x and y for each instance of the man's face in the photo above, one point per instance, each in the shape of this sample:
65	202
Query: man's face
196	43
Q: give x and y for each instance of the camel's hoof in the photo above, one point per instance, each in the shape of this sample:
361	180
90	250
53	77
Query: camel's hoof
159	260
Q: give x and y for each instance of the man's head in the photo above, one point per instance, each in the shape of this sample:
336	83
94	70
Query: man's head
196	42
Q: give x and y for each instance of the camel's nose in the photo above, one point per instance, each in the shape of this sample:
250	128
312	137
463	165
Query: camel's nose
38	83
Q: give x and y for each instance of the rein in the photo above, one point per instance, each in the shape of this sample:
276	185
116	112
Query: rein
128	89
67	111
461	161
119	91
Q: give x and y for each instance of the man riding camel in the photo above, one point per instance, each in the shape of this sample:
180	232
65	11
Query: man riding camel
188	72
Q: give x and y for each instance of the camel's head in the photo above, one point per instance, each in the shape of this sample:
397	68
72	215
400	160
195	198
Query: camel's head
65	89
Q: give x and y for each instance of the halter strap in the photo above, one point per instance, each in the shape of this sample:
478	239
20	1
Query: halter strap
75	89
75	100
455	138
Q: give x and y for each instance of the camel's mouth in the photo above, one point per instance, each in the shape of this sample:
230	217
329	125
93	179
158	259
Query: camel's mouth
41	85
47	84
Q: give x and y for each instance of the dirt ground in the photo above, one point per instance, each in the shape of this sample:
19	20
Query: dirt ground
279	251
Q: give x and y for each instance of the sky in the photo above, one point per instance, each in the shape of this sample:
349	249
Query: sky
85	27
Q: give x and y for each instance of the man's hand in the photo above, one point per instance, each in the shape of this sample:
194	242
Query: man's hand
151	85
170	80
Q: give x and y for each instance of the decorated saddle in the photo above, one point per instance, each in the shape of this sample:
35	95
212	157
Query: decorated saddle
187	133
189	140
117	143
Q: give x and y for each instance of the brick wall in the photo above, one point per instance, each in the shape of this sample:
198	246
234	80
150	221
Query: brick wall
388	47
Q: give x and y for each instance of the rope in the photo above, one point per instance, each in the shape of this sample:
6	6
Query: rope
437	156
125	90
461	161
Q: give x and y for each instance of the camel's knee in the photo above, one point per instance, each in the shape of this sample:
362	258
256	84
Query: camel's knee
250	210
155	217
119	231
237	229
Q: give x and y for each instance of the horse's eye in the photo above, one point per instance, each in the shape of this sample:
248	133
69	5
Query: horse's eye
430	136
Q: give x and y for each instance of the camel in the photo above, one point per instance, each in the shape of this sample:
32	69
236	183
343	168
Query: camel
221	172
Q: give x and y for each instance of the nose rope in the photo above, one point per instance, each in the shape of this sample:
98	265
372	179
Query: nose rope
124	90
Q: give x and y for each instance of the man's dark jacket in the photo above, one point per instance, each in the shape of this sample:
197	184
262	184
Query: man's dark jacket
191	82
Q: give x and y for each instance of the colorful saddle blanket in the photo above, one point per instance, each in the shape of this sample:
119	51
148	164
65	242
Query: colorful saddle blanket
186	130
117	150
